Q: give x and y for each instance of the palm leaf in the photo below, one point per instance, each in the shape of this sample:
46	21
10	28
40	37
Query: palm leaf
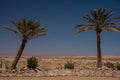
111	28
100	19
27	29
89	18
113	19
37	35
34	32
13	30
81	25
85	28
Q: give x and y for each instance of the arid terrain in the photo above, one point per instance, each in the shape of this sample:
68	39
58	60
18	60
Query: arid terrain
59	78
52	68
58	62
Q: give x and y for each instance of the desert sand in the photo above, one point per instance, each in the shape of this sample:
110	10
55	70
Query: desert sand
47	63
59	78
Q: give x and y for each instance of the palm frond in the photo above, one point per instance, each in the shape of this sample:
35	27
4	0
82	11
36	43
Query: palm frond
35	36
13	30
108	15
110	24
101	20
38	35
95	15
113	19
42	30
38	31
28	29
81	25
113	27
18	25
89	18
85	28
13	22
24	22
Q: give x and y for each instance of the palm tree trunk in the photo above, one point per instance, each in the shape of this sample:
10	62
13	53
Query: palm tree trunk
18	55
99	55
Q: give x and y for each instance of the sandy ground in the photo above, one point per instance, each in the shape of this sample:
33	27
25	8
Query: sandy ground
57	62
59	78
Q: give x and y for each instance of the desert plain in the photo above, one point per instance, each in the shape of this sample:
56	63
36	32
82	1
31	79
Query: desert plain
52	68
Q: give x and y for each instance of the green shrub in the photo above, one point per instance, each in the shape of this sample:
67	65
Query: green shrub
109	65
32	63
118	66
69	65
1	63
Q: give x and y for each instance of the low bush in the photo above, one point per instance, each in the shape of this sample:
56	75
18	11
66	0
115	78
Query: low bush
32	63
109	65
1	63
118	66
69	65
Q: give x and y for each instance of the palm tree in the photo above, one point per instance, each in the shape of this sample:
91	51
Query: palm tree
99	20
26	30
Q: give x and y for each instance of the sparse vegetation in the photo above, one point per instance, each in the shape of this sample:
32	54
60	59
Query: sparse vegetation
69	65
1	63
109	65
32	63
117	66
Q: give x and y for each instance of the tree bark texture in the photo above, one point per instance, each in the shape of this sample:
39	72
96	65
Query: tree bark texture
99	54
18	55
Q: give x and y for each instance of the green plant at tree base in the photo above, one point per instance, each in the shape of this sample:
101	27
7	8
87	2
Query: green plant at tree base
32	63
69	65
